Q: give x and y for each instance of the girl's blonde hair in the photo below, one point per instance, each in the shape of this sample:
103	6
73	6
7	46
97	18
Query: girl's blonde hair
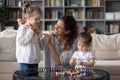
29	9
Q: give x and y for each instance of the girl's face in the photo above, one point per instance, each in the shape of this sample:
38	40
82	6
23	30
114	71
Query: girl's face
35	18
59	28
82	46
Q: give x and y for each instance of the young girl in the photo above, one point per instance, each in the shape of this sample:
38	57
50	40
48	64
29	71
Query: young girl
27	46
84	57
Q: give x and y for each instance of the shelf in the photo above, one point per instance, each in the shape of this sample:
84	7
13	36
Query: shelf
100	7
73	6
113	20
49	20
94	20
89	13
112	0
14	7
33	0
79	20
48	7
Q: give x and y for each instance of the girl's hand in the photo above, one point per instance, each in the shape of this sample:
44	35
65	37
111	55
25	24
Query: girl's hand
20	21
37	30
78	62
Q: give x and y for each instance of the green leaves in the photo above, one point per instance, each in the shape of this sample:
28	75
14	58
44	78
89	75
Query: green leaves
3	16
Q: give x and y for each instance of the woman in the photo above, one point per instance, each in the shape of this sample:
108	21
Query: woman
59	46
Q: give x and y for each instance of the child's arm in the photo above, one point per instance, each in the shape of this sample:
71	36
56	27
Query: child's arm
35	29
72	61
90	63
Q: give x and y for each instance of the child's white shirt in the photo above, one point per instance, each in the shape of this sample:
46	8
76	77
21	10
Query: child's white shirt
27	46
83	56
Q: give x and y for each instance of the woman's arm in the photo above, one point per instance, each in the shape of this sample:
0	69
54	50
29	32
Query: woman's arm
53	51
72	61
54	54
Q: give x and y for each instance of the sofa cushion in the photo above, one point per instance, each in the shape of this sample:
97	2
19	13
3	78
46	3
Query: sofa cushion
8	33
104	42
8	45
106	46
107	55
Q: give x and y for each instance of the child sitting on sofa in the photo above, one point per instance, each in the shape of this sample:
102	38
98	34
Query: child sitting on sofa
84	57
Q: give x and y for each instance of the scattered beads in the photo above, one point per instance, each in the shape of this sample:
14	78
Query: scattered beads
71	73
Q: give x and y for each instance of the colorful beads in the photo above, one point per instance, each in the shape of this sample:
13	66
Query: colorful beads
71	73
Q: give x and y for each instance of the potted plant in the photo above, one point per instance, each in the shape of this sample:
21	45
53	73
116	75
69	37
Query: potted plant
3	16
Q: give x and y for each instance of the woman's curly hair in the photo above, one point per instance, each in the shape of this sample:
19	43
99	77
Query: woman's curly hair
71	26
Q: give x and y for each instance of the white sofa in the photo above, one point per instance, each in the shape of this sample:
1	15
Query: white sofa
107	50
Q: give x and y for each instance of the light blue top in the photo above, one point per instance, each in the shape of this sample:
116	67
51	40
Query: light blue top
65	56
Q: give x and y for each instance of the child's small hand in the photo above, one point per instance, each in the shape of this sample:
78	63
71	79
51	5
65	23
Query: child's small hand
20	21
37	30
78	62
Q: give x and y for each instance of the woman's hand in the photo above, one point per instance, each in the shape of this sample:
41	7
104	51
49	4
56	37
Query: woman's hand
47	38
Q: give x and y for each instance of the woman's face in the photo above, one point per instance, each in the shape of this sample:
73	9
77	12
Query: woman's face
59	28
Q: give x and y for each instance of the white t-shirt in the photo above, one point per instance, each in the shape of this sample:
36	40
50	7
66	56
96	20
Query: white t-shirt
27	46
83	56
